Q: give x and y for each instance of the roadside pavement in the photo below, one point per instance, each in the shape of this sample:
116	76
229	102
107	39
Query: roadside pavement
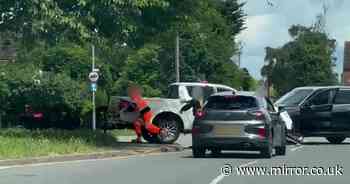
122	148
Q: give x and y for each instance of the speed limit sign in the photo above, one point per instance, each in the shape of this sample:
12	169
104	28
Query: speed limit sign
93	76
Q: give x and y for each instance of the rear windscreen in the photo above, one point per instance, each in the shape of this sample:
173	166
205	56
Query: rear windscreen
231	102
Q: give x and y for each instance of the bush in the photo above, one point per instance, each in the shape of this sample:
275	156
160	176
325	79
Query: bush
44	91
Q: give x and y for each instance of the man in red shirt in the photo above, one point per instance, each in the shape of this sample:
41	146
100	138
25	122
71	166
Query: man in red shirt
146	115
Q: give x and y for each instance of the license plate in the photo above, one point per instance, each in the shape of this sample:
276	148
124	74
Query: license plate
233	131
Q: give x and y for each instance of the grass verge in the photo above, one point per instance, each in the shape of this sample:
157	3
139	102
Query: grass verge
21	143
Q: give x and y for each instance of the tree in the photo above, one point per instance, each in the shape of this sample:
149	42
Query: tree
306	60
142	67
207	43
134	41
207	30
78	20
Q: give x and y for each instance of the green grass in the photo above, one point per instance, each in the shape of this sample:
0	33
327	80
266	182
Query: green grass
21	143
121	132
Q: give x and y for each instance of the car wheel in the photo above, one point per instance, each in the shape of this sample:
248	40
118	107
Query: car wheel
198	152
335	140
281	150
216	151
173	127
266	152
149	137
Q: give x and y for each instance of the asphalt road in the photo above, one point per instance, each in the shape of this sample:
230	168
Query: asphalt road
171	168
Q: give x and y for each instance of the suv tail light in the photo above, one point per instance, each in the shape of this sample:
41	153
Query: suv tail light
262	132
259	115
258	130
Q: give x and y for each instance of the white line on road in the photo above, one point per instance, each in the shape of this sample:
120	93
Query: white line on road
221	176
217	179
296	148
249	163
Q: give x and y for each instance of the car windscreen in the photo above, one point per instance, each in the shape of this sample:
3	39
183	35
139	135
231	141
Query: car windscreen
231	102
294	97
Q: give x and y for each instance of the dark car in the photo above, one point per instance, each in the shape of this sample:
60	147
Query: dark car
319	111
238	121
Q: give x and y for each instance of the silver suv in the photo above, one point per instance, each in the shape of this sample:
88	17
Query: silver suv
238	121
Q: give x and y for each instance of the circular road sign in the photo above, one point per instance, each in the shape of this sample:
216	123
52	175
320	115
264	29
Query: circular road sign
93	76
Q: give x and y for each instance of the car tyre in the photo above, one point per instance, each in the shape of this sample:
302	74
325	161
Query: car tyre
266	152
173	127
149	137
216	151
281	150
198	152
335	140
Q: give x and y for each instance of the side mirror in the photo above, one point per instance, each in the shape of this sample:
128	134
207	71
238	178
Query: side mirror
306	106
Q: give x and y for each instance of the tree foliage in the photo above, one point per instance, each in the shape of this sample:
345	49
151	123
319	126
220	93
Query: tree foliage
307	60
135	41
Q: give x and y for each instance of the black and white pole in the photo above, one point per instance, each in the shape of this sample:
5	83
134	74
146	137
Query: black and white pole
93	76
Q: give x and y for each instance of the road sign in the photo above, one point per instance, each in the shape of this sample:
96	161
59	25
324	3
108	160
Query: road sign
93	87
93	76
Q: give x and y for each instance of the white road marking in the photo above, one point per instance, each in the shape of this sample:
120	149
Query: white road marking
217	179
296	148
221	176
249	163
5	167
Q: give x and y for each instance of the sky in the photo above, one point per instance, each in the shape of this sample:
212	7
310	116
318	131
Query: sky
268	26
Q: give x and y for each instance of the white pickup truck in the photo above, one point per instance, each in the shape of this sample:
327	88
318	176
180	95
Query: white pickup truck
166	110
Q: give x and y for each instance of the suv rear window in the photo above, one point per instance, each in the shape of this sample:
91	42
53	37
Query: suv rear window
231	102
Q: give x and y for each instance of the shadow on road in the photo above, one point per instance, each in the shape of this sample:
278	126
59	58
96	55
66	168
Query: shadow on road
229	155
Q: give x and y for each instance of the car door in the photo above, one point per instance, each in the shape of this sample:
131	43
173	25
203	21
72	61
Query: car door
316	112
276	123
341	111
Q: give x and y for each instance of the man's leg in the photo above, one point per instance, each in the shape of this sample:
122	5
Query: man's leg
147	117
153	129
138	129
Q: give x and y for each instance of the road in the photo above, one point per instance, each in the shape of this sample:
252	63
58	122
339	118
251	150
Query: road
171	168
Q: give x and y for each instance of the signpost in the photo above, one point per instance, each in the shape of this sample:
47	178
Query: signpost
93	77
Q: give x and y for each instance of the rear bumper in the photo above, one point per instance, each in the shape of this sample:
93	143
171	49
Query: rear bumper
232	143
